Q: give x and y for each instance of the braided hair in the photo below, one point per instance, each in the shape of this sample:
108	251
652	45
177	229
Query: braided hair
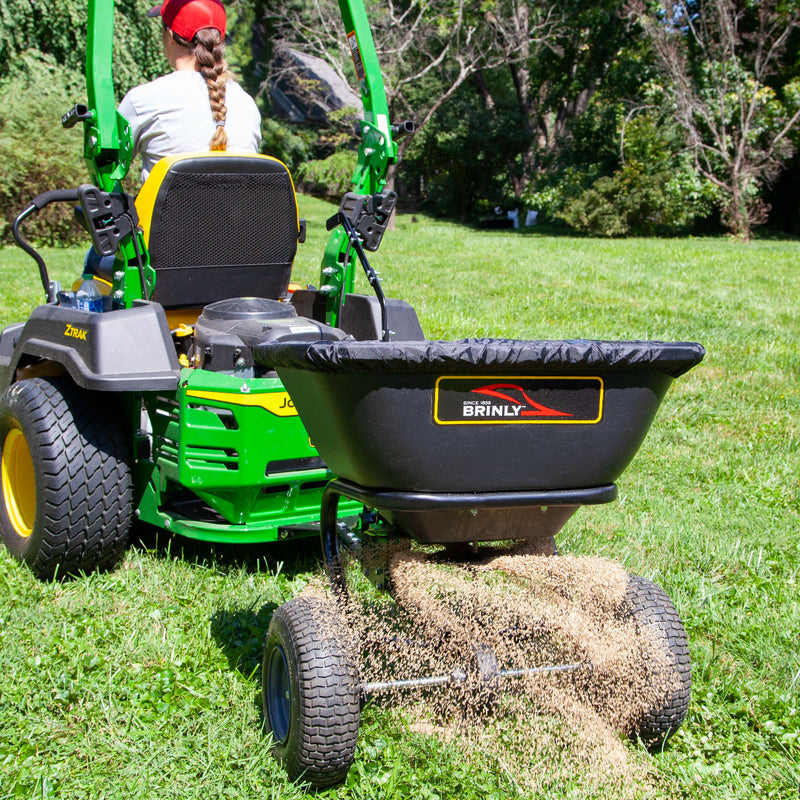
208	48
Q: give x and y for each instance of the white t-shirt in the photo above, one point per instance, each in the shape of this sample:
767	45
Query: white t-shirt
172	115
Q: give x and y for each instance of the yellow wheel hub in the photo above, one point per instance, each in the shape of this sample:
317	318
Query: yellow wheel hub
19	482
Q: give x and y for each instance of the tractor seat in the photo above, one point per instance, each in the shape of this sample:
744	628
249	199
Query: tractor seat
218	226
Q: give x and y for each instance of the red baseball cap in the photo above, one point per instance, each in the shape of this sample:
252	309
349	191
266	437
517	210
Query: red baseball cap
186	17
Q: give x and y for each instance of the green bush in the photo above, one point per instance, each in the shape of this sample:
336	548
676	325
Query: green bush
328	177
37	154
636	201
554	193
286	142
654	188
628	201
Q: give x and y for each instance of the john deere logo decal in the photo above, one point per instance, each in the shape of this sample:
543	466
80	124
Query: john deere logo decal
518	400
277	403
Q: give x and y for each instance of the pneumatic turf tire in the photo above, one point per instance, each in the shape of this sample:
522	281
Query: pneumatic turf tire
653	612
67	490
311	693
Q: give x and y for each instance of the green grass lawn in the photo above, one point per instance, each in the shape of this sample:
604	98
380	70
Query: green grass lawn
144	682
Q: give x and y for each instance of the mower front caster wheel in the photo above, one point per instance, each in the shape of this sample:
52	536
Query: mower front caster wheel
311	693
67	489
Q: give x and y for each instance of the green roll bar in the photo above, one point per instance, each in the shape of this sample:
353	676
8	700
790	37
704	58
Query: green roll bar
108	149
376	153
107	138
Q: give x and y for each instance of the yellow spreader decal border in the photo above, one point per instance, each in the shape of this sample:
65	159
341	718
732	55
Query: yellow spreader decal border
537	417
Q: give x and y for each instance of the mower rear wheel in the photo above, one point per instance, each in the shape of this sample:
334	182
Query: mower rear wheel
67	488
655	616
311	693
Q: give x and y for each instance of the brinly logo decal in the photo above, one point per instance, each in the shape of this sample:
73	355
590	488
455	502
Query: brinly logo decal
521	404
469	400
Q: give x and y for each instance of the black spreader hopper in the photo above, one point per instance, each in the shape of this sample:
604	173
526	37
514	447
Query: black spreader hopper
481	439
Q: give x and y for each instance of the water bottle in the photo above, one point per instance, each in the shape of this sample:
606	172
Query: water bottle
88	296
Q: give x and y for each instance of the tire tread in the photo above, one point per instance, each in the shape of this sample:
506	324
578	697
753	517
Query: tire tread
85	476
650	606
329	696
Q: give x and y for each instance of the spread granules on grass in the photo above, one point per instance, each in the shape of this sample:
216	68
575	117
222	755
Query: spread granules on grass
486	623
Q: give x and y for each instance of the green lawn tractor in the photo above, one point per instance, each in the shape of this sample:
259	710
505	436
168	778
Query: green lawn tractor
209	401
154	407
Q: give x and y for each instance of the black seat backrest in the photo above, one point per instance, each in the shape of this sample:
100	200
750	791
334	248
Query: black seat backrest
219	225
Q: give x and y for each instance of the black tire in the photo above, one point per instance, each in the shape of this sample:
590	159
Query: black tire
67	488
653	612
311	693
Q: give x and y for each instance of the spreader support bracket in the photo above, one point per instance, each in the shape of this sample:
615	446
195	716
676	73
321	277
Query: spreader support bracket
433	501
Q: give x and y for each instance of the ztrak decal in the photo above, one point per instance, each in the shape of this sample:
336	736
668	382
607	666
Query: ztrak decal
476	400
75	333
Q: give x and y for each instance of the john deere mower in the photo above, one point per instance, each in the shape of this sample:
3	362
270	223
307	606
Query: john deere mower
208	400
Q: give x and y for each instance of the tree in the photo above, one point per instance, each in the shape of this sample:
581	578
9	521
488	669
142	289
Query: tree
558	77
57	28
461	160
717	57
428	49
656	189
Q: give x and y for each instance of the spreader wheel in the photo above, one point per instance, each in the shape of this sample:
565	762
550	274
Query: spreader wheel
311	692
652	610
67	488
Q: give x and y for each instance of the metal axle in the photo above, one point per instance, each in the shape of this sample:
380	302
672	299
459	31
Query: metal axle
457	676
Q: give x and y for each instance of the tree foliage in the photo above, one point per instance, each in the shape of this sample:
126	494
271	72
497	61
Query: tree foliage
36	152
718	58
428	49
460	161
559	106
654	191
57	28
